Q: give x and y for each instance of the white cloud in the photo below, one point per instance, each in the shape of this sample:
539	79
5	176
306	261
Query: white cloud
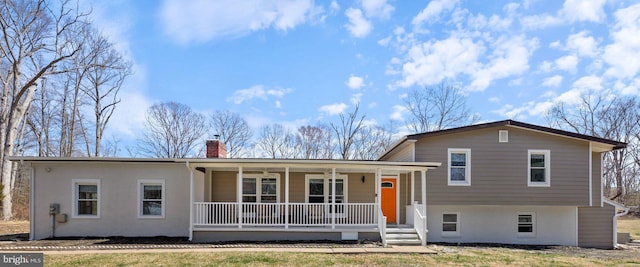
358	25
581	10
588	83
510	57
567	63
203	20
539	21
626	44
334	6
494	99
333	109
355	98
433	10
430	62
355	82
582	44
398	112
377	8
553	81
257	91
546	66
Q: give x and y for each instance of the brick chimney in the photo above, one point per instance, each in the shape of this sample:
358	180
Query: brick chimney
216	149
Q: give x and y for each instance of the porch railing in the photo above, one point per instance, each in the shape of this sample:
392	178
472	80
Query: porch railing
382	226
419	223
273	214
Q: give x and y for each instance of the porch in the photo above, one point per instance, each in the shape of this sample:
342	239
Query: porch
295	199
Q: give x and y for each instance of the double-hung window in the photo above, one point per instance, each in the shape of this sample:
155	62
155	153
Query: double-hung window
459	171
450	223
86	198
526	224
151	198
260	188
539	167
319	189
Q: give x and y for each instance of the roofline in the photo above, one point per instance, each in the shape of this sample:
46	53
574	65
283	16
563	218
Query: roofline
614	144
237	161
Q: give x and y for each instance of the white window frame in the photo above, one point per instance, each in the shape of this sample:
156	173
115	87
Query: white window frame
259	177
547	167
442	222
326	187
467	172
533	224
504	133
74	184
141	184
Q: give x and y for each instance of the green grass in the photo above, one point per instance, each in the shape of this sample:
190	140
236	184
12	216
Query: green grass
630	225
465	257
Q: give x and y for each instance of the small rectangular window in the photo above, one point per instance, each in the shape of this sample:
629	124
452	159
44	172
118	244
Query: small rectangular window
450	223
459	172
526	224
539	167
86	198
151	198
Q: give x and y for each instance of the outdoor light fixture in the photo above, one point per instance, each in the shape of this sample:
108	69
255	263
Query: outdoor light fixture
363	179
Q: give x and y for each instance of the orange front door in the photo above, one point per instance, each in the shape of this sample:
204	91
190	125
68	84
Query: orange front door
388	188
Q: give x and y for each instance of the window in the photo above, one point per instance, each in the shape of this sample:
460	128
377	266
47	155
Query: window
526	223
86	198
450	223
459	171
503	136
151	194
319	189
260	188
538	172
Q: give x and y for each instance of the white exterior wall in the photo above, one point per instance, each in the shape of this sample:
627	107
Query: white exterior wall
118	199
554	225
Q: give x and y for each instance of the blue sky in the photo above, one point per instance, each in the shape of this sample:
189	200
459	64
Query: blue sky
304	62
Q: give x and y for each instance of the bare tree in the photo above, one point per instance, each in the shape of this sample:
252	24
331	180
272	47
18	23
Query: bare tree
276	142
314	142
172	130
370	142
350	125
35	39
437	108
107	71
608	117
234	131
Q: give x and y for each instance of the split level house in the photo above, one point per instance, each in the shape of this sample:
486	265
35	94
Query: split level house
500	182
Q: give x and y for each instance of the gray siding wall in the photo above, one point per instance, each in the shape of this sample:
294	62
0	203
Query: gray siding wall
118	199
595	226
499	170
596	178
223	187
404	154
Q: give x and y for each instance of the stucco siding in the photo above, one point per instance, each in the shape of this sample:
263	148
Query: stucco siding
499	170
595	226
118	199
498	224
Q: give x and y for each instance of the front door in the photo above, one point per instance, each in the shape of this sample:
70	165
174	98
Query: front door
388	188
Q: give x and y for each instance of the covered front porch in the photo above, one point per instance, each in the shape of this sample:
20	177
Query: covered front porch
251	199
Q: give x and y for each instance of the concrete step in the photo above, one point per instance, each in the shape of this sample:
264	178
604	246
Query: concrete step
402	236
400	230
405	242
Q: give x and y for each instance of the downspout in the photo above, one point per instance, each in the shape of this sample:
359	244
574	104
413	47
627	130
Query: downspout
190	201
615	225
32	202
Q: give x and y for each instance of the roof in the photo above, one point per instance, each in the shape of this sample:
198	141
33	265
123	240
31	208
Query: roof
228	162
615	144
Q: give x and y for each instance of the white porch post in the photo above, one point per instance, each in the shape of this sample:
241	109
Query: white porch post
378	178
191	191
424	203
333	198
413	187
239	196
286	198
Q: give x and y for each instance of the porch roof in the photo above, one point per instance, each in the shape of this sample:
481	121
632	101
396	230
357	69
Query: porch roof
251	163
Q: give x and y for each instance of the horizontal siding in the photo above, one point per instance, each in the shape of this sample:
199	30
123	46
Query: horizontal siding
403	155
597	178
223	187
595	226
499	170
